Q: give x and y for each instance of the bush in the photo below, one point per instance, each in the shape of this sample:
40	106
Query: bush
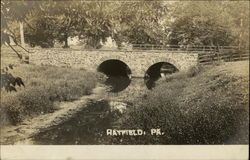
180	76
193	71
47	85
205	109
28	103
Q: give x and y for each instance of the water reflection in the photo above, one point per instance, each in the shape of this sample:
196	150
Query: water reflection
157	71
118	74
118	83
150	82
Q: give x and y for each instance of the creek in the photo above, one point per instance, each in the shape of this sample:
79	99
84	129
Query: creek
89	125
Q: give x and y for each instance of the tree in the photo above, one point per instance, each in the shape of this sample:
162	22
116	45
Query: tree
11	12
49	23
67	17
60	20
237	13
199	23
139	22
95	24
14	11
133	22
209	23
43	32
143	22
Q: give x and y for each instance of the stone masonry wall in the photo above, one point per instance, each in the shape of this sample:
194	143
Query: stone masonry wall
138	61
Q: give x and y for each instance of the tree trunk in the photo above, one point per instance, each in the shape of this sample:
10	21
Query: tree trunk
12	41
22	34
66	45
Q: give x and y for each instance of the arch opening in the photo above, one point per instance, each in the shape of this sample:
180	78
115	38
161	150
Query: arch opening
118	73
156	71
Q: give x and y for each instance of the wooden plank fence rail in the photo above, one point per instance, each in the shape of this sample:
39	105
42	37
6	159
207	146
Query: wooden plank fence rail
226	57
207	54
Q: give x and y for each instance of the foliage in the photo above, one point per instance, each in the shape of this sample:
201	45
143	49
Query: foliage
13	11
59	20
8	81
10	12
44	86
198	109
194	71
43	33
237	14
199	23
139	22
98	23
154	22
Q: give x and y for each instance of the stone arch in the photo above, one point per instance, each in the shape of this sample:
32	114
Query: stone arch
167	60
159	68
118	74
114	57
115	64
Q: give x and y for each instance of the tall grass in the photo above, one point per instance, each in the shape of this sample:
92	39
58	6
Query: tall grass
195	107
44	85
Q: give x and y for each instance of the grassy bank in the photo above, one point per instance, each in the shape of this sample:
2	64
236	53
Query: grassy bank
44	85
202	106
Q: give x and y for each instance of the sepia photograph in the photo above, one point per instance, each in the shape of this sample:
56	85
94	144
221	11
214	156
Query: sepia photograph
127	73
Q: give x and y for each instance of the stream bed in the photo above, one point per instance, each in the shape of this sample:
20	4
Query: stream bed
90	124
86	127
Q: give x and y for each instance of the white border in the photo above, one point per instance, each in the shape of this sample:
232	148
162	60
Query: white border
136	152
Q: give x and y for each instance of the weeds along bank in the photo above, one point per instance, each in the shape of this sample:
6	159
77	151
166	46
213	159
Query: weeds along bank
202	106
44	85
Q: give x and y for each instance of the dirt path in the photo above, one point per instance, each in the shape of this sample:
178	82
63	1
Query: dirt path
21	134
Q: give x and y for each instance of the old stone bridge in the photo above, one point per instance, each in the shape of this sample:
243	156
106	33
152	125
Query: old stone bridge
137	61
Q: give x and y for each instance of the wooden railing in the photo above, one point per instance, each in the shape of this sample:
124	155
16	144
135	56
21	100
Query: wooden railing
180	47
207	54
225	54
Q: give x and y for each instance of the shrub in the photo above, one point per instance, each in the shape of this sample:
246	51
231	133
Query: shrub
47	85
183	75
205	109
209	124
193	71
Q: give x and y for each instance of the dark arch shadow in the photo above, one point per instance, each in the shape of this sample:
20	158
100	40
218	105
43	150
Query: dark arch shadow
118	72
156	71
